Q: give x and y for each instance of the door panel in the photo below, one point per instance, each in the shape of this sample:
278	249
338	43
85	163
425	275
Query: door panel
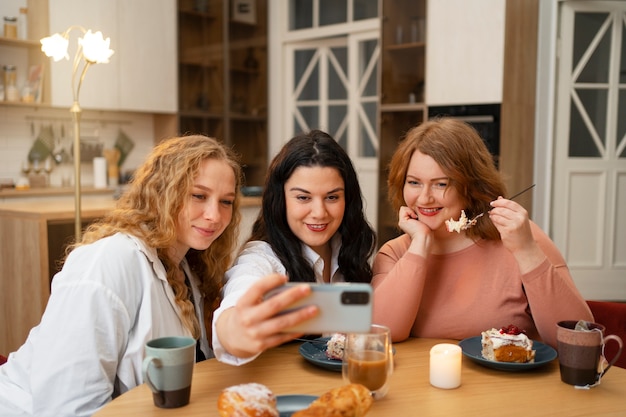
589	158
334	87
586	201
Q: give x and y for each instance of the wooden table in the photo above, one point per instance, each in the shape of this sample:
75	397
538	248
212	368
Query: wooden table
483	392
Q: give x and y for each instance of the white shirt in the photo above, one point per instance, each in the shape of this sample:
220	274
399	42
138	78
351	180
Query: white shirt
256	260
111	297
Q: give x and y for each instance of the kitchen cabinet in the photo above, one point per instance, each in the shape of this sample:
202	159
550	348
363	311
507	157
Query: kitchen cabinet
30	246
465	56
403	78
141	75
223	77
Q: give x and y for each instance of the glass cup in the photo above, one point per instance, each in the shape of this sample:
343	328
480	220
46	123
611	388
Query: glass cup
368	359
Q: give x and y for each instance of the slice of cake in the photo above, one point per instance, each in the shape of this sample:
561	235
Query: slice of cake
335	345
457	225
508	344
463	223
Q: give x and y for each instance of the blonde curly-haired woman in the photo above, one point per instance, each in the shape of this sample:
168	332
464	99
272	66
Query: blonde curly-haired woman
151	267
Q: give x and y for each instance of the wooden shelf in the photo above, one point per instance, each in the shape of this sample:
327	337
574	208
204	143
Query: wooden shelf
198	113
403	47
199	64
403	107
245	71
240	117
239	24
403	75
20	43
37	29
219	95
197	14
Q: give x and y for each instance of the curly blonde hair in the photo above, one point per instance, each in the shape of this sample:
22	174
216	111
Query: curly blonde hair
149	210
463	156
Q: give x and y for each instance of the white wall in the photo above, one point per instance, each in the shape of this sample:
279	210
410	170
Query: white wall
545	112
20	126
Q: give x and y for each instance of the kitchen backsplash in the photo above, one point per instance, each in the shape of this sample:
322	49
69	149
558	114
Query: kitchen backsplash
20	127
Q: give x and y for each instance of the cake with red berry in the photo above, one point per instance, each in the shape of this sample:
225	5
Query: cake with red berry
335	345
507	344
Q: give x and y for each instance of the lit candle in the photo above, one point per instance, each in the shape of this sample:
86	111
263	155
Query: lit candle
445	366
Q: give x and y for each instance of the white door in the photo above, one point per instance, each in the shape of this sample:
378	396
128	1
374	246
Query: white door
333	86
589	199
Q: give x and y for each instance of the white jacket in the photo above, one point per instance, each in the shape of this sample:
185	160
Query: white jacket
111	297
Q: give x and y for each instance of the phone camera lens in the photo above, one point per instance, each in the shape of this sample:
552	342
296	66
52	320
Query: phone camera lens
355	297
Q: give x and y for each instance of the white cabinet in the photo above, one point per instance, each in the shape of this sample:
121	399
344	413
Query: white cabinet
141	75
148	53
465	53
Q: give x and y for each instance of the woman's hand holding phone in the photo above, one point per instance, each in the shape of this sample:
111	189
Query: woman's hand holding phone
255	323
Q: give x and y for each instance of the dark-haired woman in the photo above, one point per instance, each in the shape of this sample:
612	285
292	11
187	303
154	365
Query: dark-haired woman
311	229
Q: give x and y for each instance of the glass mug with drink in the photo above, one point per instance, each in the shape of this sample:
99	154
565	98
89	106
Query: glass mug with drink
368	359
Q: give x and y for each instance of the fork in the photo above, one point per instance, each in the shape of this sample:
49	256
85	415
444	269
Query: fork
473	221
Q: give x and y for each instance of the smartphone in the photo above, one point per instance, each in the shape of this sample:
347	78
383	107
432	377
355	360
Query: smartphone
344	307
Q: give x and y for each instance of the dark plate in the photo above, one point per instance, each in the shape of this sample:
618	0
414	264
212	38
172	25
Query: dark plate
472	348
315	352
289	404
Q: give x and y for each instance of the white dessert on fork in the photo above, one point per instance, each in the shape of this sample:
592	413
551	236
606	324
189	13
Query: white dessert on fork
462	224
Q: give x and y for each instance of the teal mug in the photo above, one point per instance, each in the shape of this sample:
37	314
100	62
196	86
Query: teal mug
168	368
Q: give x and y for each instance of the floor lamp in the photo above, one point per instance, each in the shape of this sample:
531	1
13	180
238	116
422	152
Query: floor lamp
92	49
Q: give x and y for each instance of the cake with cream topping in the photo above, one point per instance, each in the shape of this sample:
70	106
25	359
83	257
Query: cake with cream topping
462	224
335	345
508	344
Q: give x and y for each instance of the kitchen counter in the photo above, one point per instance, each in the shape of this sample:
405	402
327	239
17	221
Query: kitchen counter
57	209
12	193
63	208
33	236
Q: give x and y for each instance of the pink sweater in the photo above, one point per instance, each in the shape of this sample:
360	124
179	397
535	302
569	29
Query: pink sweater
458	295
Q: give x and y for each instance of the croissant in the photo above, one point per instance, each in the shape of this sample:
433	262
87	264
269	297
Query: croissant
352	400
247	400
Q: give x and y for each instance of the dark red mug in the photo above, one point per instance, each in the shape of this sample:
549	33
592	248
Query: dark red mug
580	352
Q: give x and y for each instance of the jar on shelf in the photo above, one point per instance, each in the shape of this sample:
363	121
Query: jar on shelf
22	23
418	29
10	27
27	94
10	83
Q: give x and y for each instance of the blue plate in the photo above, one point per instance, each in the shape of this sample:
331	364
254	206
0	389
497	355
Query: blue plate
315	352
472	348
289	404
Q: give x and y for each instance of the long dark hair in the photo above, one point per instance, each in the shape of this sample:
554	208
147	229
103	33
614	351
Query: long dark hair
315	148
